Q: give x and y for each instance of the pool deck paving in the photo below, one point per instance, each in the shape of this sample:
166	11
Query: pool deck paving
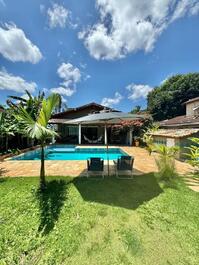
144	163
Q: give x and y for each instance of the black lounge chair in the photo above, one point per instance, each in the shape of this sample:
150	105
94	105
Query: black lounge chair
95	164
125	163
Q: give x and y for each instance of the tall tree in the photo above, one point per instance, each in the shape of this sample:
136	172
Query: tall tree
166	101
136	109
38	128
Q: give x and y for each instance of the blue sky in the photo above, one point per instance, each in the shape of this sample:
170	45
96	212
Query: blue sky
108	51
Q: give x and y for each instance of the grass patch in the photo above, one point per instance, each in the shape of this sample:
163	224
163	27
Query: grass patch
110	221
132	241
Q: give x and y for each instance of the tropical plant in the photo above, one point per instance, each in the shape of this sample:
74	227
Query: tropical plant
136	109
38	128
193	153
166	160
7	127
62	106
165	101
30	103
147	138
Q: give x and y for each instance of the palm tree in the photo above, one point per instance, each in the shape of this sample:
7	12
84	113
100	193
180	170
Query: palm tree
38	128
136	109
30	103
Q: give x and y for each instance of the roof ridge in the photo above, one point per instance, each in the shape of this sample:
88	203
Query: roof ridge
82	107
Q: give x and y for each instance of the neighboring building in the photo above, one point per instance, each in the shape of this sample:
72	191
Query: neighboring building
178	130
192	107
190	120
85	134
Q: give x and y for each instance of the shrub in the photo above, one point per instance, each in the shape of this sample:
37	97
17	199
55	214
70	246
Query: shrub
166	161
148	138
193	154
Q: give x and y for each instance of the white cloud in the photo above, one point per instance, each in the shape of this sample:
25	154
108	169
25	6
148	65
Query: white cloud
87	77
127	26
194	10
14	45
69	73
63	91
25	96
108	102
83	65
185	7
15	83
138	91
42	8
57	16
70	76
64	100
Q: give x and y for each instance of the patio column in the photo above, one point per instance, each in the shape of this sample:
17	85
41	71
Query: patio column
130	137
105	135
80	134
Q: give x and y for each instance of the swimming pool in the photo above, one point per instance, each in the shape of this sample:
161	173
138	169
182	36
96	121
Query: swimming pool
66	152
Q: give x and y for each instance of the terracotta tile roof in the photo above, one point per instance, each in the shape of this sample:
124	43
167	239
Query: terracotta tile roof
57	121
180	120
92	104
178	133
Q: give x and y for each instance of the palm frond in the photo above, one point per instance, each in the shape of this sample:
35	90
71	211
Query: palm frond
47	107
28	93
18	98
32	128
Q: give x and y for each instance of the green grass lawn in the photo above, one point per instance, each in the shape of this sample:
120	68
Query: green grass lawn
87	221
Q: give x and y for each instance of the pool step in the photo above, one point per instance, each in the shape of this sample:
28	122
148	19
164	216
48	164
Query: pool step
62	150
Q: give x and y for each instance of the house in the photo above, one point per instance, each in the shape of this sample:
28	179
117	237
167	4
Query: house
178	130
85	134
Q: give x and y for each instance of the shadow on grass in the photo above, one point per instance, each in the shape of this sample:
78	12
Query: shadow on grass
51	201
125	193
2	180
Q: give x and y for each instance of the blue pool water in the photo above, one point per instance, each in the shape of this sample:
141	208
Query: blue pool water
65	152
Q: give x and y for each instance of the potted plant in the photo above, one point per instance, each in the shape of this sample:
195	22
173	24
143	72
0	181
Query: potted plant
137	141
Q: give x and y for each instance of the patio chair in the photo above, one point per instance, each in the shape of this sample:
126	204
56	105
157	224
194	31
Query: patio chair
95	164
125	163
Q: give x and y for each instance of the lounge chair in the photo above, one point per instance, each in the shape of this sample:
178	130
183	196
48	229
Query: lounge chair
95	164
125	163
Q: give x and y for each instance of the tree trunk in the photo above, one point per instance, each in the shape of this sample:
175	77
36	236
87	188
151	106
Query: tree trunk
42	170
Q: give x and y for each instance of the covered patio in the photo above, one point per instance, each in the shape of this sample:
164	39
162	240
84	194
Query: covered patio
73	130
91	134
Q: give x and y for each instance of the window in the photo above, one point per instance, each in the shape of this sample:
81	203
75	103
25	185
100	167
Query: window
160	140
